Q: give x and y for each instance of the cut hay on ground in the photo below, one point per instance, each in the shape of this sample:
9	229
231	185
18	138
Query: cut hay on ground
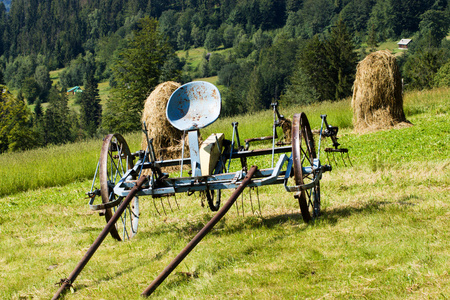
377	94
166	138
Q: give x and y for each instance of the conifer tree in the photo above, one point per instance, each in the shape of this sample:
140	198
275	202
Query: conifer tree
372	39
342	60
137	70
91	110
57	127
15	128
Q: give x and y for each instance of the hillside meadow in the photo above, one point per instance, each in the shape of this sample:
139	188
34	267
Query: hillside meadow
383	234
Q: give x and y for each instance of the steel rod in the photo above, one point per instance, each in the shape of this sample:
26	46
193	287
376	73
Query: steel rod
68	281
200	235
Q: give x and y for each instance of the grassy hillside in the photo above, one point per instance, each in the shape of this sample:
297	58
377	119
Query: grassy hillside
383	234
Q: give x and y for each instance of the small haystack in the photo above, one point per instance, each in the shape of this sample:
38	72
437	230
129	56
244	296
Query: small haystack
166	138
377	94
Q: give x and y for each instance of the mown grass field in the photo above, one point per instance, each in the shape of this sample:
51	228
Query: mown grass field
384	232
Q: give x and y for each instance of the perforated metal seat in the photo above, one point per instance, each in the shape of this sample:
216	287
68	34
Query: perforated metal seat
194	105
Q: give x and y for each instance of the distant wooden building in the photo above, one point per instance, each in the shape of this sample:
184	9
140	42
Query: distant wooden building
403	44
74	90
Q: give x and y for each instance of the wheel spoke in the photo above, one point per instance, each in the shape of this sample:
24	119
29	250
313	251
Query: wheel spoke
114	169
306	155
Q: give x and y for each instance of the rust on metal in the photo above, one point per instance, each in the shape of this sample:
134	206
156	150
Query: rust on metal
202	233
67	282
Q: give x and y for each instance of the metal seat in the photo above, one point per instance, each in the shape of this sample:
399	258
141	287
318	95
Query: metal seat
194	105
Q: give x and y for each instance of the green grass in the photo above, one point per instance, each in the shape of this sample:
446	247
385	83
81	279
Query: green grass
54	76
195	56
390	45
383	234
103	90
212	79
52	166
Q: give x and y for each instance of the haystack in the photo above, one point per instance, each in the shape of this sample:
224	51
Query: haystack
377	94
166	138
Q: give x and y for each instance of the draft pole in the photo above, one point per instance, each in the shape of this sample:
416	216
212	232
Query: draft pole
67	282
200	235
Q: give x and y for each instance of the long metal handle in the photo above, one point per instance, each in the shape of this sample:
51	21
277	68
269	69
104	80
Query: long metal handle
163	275
68	281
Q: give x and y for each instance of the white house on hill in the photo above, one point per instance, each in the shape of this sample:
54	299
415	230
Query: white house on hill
403	44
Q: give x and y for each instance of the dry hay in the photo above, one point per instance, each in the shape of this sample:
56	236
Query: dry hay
166	138
286	125
377	94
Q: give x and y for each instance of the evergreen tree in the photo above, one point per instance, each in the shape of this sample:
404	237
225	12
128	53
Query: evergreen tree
213	40
372	39
313	63
90	110
137	71
38	109
325	70
15	126
42	77
30	89
442	77
57	126
435	26
342	61
255	99
421	67
197	36
382	18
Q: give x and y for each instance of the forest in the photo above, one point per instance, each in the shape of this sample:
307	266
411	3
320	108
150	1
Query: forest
261	51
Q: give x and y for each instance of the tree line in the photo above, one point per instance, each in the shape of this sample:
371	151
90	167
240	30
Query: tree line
278	50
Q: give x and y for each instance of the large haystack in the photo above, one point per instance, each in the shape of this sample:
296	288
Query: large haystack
166	138
377	94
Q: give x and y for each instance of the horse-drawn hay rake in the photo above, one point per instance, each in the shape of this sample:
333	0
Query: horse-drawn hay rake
191	107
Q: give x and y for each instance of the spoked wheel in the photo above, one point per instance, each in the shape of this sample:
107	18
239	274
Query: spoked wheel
303	154
115	160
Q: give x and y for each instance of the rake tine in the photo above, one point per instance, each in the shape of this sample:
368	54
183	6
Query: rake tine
342	156
348	157
168	200
328	158
251	202
164	209
175	195
259	205
334	158
242	205
156	207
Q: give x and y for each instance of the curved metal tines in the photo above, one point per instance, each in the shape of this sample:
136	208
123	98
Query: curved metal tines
167	196
342	151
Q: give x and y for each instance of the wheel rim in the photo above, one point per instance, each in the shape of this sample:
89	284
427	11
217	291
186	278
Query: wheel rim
303	155
115	160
